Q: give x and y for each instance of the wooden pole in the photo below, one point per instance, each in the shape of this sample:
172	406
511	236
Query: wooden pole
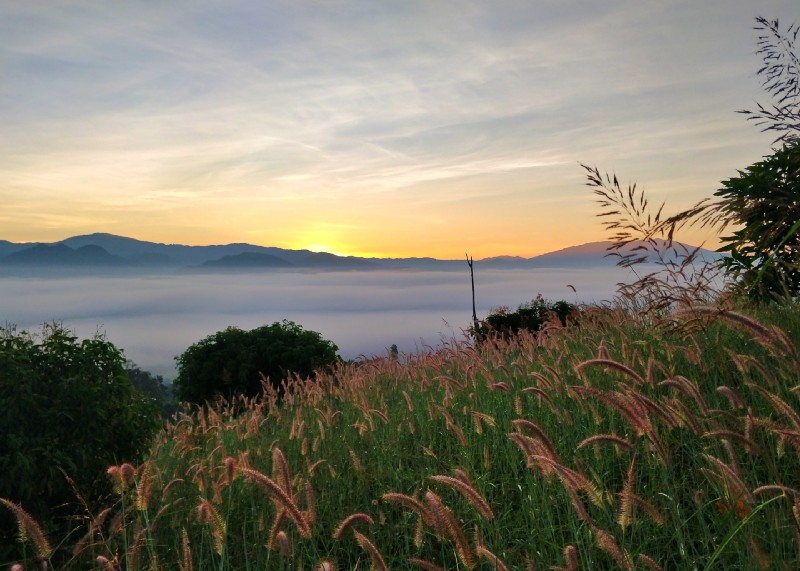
472	278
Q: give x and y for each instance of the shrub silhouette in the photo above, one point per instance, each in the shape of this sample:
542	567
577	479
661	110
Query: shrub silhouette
531	316
232	362
69	410
765	248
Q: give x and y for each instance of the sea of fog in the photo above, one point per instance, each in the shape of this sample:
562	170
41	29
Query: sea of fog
154	318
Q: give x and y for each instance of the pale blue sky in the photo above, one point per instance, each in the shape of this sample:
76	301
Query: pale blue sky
390	128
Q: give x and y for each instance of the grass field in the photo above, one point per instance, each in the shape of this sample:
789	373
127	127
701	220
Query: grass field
610	443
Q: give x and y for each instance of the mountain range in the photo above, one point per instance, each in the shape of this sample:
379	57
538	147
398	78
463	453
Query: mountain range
111	253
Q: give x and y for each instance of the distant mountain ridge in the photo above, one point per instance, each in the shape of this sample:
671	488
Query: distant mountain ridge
62	255
247	260
110	252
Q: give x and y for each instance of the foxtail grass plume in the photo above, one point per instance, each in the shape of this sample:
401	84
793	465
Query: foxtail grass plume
29	530
369	547
186	563
349	521
426	565
209	514
607	543
448	526
472	495
282	498
494	561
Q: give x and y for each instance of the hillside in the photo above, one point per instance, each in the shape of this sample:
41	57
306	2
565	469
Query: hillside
108	250
618	444
59	255
247	260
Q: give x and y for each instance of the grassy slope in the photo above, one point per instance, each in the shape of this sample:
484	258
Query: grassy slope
677	482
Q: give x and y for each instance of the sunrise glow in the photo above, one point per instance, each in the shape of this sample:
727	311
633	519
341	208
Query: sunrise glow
394	129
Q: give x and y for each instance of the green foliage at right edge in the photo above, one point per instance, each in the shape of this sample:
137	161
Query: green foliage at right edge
764	202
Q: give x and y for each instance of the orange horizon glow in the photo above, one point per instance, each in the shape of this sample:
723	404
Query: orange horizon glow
406	130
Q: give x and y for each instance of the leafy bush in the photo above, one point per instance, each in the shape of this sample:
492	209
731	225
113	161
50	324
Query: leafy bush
763	202
530	316
153	387
68	411
232	362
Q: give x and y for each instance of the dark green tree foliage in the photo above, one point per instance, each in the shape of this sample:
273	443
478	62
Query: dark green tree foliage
531	316
68	409
153	387
764	203
231	362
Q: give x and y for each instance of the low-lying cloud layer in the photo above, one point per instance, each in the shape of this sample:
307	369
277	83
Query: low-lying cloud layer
156	318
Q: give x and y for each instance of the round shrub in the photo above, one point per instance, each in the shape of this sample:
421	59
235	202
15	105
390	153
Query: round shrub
232	362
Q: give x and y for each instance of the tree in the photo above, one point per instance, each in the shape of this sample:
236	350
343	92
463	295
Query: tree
531	316
68	410
232	361
153	387
764	202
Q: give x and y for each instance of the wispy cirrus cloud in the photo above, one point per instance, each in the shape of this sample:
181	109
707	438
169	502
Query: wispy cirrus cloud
218	107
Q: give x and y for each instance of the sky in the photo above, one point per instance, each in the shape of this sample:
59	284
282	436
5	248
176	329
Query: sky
391	128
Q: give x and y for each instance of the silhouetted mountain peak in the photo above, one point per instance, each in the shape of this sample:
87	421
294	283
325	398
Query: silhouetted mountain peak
62	255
